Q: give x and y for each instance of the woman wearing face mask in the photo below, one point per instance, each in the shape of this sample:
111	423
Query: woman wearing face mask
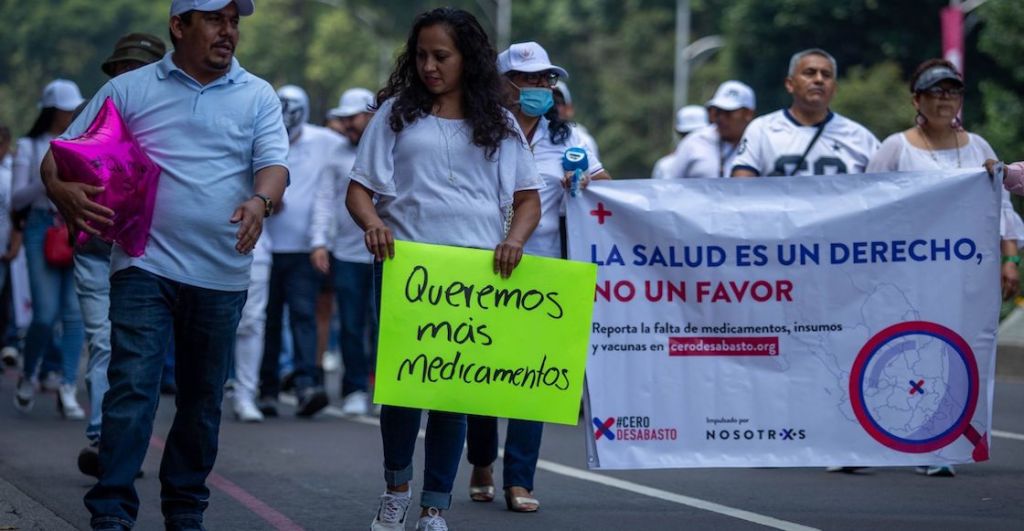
938	141
529	78
445	161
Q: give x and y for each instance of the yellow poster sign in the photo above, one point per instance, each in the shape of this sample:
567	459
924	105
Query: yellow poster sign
455	336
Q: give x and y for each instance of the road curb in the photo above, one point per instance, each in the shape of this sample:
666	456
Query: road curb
22	513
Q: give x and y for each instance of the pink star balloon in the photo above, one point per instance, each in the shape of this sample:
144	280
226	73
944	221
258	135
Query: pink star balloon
108	155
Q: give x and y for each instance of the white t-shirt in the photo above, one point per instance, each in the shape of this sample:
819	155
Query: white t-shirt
663	167
546	239
333	227
26	184
436	186
315	152
898	154
703	155
5	202
772	145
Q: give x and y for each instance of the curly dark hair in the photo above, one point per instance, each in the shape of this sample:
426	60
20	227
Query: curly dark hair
481	84
921	68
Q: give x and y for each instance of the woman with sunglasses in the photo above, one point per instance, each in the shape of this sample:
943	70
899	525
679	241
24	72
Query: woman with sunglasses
938	141
529	79
447	165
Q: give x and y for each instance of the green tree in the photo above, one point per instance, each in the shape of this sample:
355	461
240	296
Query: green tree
878	96
1003	108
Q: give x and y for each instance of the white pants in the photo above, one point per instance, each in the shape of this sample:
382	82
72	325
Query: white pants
249	338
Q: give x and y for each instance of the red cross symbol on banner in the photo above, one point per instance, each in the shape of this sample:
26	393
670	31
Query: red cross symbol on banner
601	213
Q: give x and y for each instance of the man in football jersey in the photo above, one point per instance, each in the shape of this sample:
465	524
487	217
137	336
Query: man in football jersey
807	138
709	152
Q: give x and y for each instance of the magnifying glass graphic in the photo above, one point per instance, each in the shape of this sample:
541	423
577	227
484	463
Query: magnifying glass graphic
914	388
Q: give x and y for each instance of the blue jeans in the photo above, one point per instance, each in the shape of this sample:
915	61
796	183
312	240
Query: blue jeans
144	310
352	283
522	448
92	282
53	298
399	428
295	282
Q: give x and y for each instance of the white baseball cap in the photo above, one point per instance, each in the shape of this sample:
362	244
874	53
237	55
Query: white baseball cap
527	57
691	118
245	7
352	102
62	94
733	95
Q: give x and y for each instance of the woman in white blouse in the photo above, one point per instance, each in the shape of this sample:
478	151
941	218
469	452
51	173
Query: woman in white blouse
938	141
447	165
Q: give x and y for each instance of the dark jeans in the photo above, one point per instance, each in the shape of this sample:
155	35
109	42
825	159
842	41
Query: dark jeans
295	282
399	428
144	310
352	289
522	448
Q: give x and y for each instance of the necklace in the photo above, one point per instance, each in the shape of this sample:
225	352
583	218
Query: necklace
931	150
447	149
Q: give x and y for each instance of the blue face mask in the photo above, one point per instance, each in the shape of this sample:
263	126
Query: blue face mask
536	101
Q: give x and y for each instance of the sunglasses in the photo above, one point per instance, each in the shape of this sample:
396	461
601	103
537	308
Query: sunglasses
937	92
547	79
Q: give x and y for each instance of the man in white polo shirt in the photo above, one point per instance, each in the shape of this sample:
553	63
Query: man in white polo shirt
294	281
709	151
339	251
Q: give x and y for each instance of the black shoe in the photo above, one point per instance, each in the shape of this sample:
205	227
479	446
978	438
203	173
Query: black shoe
267	406
168	388
89	461
288	382
311	401
184	524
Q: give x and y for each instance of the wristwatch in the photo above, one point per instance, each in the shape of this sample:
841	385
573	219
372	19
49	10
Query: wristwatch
268	204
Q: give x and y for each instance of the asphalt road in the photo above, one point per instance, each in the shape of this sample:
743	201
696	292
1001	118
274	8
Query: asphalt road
325	473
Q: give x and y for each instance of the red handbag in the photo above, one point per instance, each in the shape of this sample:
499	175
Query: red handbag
57	247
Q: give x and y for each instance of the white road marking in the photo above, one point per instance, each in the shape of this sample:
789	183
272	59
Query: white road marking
1008	435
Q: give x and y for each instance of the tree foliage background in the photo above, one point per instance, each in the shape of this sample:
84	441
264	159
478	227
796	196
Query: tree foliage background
620	54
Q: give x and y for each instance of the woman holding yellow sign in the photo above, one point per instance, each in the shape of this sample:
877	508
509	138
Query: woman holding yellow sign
447	165
529	78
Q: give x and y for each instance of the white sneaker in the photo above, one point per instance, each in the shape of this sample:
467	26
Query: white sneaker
246	410
24	395
50	382
432	521
356	403
391	512
9	356
67	403
937	471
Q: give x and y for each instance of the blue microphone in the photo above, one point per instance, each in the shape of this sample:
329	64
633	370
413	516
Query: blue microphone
575	160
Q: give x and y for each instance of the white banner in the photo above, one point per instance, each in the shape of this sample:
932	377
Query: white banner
807	321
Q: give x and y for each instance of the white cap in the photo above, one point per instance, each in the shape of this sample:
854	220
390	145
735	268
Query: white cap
245	7
62	94
691	118
352	102
527	57
733	95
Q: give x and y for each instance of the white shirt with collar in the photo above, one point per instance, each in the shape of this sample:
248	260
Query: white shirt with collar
316	152
703	155
333	227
